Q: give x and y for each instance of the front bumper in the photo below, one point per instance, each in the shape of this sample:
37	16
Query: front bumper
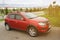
49	29
45	30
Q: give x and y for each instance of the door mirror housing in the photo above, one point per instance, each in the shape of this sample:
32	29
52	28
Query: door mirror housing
22	19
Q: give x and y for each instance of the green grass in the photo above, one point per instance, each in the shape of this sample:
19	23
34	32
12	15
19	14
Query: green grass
1	20
1	14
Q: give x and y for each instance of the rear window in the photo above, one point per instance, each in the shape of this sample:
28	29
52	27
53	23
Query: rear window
11	16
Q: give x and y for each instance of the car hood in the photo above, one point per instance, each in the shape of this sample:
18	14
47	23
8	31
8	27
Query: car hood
40	19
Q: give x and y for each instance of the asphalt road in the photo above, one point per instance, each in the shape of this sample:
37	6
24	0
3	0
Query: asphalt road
54	34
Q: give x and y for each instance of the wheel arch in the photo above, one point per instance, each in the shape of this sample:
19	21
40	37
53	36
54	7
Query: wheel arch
31	26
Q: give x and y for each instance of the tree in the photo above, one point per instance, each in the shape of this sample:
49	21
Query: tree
6	11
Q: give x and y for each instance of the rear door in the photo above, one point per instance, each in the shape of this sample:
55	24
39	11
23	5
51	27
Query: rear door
11	20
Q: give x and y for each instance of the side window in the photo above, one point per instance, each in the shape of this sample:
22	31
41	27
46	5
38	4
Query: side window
11	16
18	17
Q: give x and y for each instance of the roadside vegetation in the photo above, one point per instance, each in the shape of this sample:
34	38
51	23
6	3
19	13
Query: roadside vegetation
1	20
53	14
1	17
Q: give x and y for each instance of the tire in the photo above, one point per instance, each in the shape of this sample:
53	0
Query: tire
7	27
32	31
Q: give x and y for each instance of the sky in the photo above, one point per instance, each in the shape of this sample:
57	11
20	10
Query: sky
27	3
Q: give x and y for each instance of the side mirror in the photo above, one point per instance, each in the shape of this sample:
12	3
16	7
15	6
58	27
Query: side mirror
22	19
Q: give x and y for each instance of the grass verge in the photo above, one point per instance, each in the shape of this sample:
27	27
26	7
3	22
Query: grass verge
1	20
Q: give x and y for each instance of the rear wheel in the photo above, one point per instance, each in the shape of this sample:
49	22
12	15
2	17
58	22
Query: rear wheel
32	31
7	27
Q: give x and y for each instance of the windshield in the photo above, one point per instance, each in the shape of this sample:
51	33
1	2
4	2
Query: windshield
30	15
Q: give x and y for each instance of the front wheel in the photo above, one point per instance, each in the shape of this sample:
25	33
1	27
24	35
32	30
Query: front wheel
32	31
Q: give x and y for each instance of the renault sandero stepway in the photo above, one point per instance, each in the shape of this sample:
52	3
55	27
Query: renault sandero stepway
28	22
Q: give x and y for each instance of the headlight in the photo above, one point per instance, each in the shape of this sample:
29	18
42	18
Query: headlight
42	24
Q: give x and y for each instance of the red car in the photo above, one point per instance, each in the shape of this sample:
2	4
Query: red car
28	22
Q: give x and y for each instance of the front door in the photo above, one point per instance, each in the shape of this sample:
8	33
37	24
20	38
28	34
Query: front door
20	23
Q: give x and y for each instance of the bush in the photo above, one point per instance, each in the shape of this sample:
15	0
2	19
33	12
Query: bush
53	20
